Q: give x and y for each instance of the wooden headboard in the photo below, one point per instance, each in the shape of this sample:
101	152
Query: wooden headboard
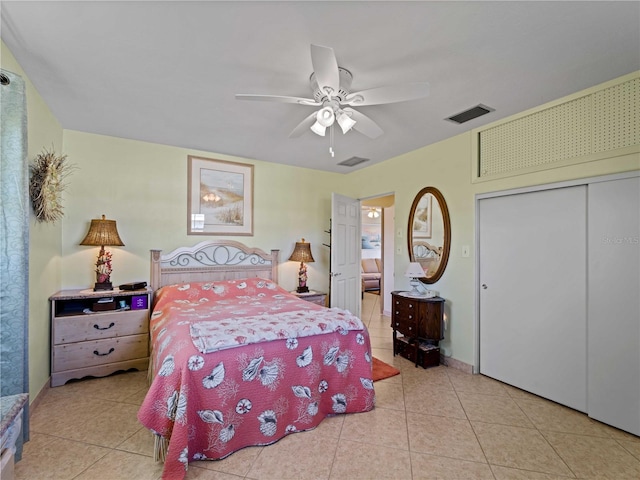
212	260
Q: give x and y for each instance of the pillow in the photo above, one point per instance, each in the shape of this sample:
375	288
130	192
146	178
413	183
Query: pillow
194	291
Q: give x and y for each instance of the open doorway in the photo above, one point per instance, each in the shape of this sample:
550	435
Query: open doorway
378	247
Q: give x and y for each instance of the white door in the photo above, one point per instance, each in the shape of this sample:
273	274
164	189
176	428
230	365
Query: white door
532	254
614	305
346	283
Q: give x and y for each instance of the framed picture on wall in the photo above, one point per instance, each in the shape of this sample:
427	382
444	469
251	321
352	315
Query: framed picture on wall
371	236
422	218
219	197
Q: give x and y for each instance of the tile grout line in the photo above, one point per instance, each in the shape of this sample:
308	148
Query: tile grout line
475	434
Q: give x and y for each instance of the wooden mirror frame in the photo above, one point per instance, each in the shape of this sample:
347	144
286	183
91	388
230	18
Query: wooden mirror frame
446	247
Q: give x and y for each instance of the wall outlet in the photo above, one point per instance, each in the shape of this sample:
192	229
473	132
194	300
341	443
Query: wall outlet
465	251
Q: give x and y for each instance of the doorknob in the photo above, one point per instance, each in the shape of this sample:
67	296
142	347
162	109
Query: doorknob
484	286
335	274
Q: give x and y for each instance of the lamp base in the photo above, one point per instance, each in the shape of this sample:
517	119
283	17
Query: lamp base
415	292
102	286
302	289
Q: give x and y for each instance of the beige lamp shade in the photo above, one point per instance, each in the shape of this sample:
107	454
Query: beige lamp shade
302	252
102	232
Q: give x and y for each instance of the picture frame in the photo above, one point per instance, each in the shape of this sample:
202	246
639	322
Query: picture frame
371	236
219	197
423	218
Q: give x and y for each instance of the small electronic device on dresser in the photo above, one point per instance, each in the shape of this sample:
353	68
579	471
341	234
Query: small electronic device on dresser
419	321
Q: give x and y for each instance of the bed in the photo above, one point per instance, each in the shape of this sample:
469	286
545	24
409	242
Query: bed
238	361
427	255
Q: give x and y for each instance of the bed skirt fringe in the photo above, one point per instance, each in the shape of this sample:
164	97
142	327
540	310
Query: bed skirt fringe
160	445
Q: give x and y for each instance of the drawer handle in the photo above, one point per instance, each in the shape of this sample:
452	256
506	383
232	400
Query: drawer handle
104	328
111	350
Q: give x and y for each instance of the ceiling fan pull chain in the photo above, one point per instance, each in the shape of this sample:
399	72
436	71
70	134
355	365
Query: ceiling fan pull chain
331	141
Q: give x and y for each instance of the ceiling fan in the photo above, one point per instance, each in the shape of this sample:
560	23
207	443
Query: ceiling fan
331	86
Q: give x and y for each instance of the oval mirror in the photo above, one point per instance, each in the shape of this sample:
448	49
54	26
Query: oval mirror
429	233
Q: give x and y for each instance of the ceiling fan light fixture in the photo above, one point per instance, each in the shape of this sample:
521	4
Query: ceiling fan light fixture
325	116
345	121
318	129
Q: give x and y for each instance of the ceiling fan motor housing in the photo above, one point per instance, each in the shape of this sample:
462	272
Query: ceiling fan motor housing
345	86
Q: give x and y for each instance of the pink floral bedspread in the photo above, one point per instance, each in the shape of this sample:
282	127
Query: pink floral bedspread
280	380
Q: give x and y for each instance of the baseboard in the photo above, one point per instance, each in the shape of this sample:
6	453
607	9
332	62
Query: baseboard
39	397
456	364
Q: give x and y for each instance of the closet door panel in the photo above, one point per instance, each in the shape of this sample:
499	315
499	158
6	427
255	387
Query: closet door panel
614	303
533	309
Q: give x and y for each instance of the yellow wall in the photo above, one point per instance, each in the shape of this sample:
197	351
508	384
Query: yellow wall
45	242
143	187
447	166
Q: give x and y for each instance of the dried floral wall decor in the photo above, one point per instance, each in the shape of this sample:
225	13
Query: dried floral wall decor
47	182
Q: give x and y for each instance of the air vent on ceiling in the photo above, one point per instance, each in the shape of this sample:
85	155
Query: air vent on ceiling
353	161
470	114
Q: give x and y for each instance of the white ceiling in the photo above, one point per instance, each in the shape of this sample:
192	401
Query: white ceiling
167	72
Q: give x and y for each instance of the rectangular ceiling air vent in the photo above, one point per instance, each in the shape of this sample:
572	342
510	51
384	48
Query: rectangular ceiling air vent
353	161
470	114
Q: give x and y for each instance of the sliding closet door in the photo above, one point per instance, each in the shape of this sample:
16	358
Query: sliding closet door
614	303
533	292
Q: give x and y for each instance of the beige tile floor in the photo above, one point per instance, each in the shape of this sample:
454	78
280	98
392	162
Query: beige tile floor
427	424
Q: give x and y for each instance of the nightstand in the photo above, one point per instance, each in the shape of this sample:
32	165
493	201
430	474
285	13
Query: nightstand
319	298
90	337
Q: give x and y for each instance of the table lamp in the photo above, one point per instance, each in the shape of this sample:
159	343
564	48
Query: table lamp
414	272
103	232
302	254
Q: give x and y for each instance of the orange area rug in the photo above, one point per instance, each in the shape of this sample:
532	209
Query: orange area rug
382	370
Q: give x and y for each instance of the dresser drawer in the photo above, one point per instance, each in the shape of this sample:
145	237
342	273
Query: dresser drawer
405	324
405	309
86	354
80	328
404	317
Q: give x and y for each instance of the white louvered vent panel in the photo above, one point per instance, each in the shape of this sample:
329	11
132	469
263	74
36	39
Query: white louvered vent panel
547	136
602	121
616	116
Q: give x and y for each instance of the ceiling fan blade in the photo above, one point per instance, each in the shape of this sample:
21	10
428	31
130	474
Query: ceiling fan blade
277	98
303	126
391	94
364	124
325	66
